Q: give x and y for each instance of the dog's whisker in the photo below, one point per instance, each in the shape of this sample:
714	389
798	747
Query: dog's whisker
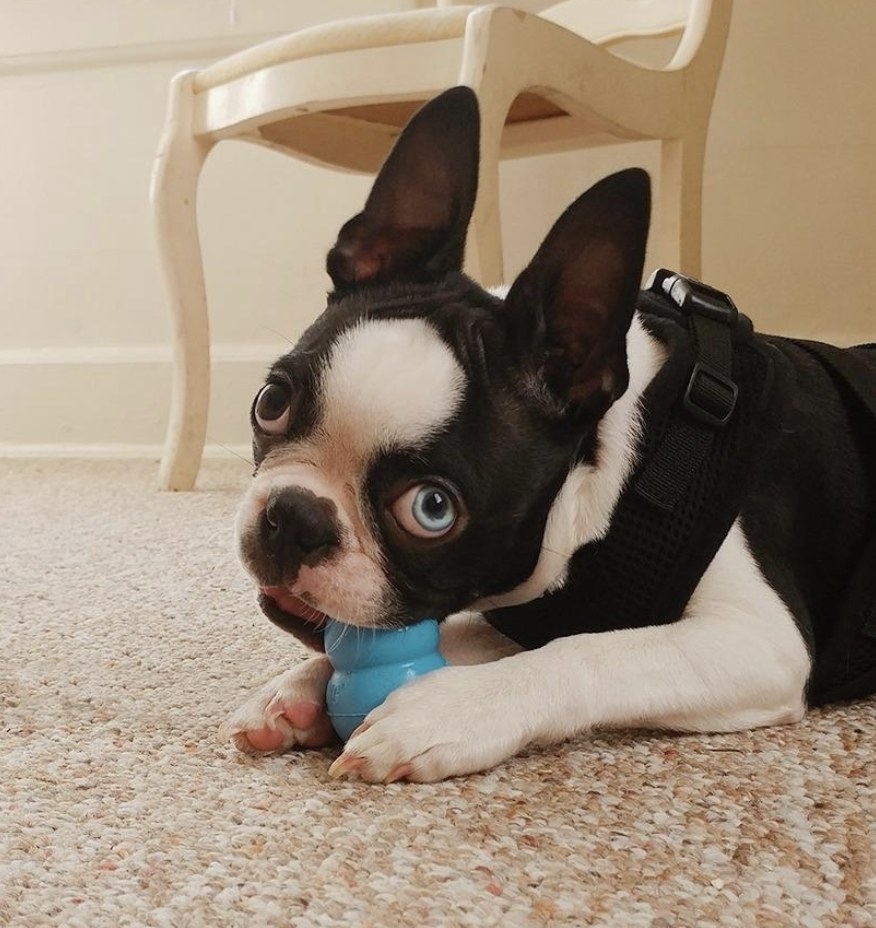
347	630
230	451
556	553
279	334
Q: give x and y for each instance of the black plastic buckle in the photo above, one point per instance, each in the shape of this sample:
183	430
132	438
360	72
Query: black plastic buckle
693	296
710	397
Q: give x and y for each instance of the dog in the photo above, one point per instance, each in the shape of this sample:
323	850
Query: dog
431	449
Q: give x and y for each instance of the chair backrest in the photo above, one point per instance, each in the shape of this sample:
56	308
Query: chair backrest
606	22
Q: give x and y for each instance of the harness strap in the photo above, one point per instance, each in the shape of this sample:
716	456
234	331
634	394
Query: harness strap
711	394
710	416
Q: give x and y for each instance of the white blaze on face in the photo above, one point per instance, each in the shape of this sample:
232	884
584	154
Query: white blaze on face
386	384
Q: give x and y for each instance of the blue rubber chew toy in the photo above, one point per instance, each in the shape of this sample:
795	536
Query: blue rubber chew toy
369	663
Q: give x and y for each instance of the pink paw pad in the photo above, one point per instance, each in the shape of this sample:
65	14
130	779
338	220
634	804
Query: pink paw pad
300	723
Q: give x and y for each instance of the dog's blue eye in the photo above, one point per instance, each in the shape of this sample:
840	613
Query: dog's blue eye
426	511
432	509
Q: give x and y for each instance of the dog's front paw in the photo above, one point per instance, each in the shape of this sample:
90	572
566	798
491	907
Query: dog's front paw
287	712
454	721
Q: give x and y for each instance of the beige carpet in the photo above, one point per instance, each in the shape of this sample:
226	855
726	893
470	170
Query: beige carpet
127	631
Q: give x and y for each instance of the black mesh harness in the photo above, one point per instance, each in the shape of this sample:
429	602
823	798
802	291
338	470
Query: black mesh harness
697	460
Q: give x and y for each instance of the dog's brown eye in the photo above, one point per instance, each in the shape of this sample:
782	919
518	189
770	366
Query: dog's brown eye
272	409
425	511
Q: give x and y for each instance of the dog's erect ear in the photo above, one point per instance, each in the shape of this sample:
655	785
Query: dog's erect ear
572	306
415	219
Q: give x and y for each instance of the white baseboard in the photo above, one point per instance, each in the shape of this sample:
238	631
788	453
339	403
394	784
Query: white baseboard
115	401
109	451
135	354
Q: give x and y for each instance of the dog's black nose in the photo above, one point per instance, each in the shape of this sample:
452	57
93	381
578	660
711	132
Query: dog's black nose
299	527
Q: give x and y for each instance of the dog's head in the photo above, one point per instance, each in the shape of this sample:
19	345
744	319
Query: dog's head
409	448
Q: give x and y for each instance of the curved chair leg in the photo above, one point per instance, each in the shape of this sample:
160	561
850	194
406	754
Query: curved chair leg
491	35
679	212
484	258
174	201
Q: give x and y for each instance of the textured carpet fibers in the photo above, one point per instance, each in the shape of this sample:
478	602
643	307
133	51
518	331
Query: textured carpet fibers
127	632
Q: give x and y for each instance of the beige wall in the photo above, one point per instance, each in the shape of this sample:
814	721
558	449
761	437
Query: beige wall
790	204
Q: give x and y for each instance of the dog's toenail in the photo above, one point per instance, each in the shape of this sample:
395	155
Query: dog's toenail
400	773
346	763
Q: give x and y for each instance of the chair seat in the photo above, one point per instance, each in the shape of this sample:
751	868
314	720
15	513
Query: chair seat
405	28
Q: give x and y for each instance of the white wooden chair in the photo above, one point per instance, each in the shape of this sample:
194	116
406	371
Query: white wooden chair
337	94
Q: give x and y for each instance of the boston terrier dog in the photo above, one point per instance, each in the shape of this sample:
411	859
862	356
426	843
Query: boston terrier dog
626	508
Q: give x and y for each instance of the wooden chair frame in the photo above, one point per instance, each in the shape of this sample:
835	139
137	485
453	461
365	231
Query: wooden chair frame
338	95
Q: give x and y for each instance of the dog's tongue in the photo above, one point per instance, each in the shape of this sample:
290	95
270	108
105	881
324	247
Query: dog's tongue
290	603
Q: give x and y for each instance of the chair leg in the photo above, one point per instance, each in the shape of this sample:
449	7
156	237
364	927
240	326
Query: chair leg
484	254
679	213
491	35
174	201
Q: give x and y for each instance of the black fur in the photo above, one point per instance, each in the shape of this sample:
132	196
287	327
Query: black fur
812	512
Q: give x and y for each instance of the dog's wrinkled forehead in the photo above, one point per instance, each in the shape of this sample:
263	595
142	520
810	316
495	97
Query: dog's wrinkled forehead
371	385
388	383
